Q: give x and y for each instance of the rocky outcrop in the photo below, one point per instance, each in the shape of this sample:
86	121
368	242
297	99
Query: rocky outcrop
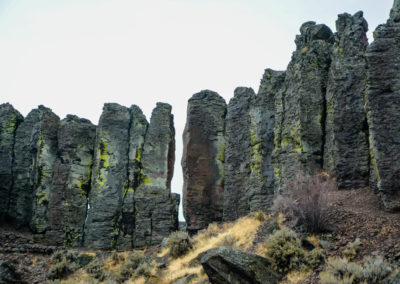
156	208
109	176
300	106
126	221
262	113
9	121
228	265
203	160
249	138
238	153
71	181
130	203
158	156
36	145
76	184
346	153
383	108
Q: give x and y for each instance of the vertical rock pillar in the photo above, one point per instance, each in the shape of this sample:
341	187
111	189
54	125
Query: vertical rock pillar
300	106
383	108
203	160
346	154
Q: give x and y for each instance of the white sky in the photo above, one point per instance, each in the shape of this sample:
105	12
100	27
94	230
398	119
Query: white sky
75	55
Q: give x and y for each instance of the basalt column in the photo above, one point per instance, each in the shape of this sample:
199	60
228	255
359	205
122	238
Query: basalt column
109	176
203	160
35	153
9	121
156	207
71	181
300	106
383	108
346	154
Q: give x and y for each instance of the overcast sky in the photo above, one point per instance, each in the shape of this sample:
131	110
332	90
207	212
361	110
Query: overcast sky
75	55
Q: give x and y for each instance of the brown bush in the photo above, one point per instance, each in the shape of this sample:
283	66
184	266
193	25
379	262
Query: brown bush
305	202
179	243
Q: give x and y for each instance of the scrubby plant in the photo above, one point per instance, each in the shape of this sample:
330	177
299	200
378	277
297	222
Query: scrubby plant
144	269
117	257
339	270
352	249
259	215
305	202
315	258
179	243
61	268
228	241
127	269
284	251
95	269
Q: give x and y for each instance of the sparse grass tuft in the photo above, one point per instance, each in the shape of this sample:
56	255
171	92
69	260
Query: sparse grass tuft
352	249
339	270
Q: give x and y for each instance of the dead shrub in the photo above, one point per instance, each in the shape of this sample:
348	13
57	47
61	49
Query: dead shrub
228	241
305	202
179	243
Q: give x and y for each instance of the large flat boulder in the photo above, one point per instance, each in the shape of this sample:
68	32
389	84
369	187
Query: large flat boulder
228	265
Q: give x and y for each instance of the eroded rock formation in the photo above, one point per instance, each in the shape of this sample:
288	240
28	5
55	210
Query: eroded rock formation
203	160
36	150
346	153
383	108
77	184
71	181
9	121
300	125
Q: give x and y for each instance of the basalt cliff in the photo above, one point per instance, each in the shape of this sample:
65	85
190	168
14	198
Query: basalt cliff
76	184
335	109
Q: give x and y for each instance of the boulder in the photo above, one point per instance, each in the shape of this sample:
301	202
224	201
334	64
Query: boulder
383	108
71	181
10	119
300	106
36	145
346	152
228	265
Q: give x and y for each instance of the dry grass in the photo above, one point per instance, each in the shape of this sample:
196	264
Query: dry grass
243	230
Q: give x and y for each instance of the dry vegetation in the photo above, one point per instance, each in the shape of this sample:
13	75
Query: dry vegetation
294	245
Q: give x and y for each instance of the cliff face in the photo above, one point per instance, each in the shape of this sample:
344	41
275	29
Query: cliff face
77	184
335	109
383	108
203	160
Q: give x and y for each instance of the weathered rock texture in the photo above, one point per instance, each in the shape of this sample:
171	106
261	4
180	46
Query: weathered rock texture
383	108
71	181
76	184
130	203
110	171
36	150
9	121
249	134
346	154
203	160
156	207
228	265
300	105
